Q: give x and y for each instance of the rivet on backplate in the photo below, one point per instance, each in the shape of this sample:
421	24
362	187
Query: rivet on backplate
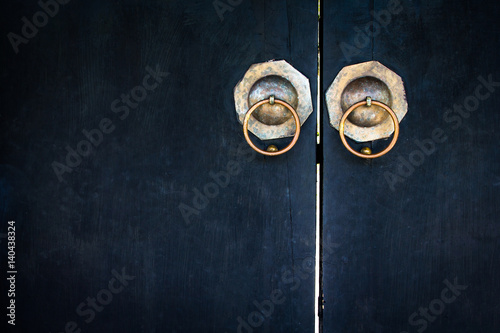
366	151
272	148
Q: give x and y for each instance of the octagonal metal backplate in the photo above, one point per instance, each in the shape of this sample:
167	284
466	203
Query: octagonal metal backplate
271	69
370	69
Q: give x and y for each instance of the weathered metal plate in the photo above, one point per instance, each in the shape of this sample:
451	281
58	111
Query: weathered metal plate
277	78
381	126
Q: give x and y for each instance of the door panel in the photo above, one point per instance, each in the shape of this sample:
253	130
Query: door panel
125	226
412	225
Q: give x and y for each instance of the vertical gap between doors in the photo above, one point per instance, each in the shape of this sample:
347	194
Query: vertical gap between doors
319	181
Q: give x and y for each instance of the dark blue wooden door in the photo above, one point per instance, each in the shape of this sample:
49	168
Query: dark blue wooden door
138	206
417	231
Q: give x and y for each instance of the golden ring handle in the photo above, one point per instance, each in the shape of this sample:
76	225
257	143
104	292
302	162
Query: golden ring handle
272	100
386	108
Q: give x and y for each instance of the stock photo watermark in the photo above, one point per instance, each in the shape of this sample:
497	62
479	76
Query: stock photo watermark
293	277
11	272
427	315
426	147
40	19
222	6
381	19
218	180
104	297
120	106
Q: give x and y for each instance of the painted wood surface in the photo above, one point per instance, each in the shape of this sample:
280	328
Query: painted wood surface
120	239
417	231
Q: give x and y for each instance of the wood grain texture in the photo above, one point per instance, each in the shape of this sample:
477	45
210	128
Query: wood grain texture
440	220
120	206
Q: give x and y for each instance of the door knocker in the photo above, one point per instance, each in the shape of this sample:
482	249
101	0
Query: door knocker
272	101
366	102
